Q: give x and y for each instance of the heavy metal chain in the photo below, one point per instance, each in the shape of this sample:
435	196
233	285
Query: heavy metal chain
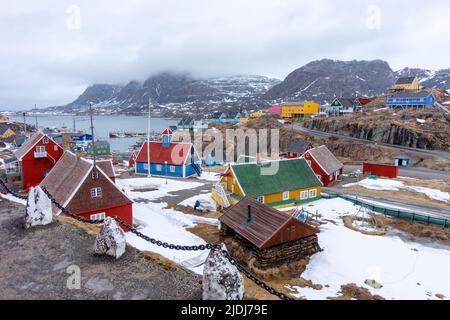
208	246
9	190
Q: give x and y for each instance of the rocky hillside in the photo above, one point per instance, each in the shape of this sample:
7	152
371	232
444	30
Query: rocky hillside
326	79
417	129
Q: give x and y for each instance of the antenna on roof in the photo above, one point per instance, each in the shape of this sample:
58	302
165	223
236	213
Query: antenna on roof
148	136
24	124
93	141
35	117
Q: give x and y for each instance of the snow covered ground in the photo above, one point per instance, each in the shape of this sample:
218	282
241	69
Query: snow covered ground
163	189
395	185
406	269
209	176
205	200
13	199
167	225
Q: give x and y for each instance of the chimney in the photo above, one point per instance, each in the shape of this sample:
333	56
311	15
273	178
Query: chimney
249	214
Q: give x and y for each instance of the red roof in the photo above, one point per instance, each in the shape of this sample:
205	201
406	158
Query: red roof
175	154
167	131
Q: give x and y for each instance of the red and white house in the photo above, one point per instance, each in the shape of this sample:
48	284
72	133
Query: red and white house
35	158
324	164
296	149
87	190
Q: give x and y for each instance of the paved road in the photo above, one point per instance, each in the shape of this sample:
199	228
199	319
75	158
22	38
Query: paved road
33	265
417	173
321	134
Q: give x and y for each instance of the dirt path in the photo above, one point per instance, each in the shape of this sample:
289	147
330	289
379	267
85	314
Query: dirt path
34	263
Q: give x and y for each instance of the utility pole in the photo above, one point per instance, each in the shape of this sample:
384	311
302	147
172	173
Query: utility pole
148	136
35	117
24	123
94	173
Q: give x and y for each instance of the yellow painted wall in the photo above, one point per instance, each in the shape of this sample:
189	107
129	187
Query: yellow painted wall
293	195
408	87
257	114
227	182
8	133
244	120
289	111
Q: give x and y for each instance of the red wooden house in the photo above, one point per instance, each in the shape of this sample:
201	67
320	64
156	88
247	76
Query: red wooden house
380	170
36	157
324	164
86	190
297	148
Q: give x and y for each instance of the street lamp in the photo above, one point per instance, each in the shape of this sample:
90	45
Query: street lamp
165	165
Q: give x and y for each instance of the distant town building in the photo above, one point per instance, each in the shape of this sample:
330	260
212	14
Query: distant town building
101	148
252	116
228	117
325	165
402	161
291	110
407	84
297	148
341	106
275	110
6	131
411	100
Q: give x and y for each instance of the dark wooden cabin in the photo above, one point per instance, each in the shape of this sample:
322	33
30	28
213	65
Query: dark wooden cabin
272	236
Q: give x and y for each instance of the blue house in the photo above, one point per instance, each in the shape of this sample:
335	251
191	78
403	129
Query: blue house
167	158
229	117
411	100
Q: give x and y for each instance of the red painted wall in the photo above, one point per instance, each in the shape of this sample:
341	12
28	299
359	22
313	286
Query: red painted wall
380	170
324	177
124	212
33	169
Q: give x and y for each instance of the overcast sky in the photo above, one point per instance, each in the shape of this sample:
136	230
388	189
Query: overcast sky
52	50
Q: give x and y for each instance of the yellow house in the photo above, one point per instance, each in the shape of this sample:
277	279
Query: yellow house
254	115
299	109
6	131
407	84
277	183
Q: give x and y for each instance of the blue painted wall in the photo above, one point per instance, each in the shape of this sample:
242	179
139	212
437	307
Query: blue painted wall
141	168
428	101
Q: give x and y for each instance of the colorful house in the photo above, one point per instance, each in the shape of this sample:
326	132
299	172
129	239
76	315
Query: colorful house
325	165
273	237
277	183
299	109
407	84
86	190
252	116
34	159
413	100
341	106
5	131
167	158
101	148
229	117
275	110
297	148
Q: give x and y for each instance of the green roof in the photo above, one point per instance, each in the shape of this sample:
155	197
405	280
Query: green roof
291	175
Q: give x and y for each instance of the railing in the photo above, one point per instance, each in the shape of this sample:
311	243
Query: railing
41	154
220	192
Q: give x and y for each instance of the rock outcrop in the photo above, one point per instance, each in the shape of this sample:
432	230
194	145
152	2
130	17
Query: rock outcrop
111	239
38	209
221	279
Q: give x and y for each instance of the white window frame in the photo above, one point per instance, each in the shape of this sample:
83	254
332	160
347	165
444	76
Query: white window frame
145	166
55	148
12	167
172	169
331	177
319	177
98	216
158	167
304	195
285	195
312	193
309	162
260	199
96	192
45	140
40	149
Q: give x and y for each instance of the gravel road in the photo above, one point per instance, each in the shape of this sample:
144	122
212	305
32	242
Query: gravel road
34	265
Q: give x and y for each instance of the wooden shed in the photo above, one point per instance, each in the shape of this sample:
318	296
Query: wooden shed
272	236
380	170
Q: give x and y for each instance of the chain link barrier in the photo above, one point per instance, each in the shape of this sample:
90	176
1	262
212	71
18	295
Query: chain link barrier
208	246
9	190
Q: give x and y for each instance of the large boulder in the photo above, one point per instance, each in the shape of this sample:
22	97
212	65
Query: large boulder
111	239
39	209
221	279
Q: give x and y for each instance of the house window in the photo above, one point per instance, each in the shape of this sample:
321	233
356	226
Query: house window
309	162
319	177
304	195
158	167
94	174
40	149
12	168
96	192
172	169
331	177
146	166
260	199
45	140
98	216
285	195
312	193
55	148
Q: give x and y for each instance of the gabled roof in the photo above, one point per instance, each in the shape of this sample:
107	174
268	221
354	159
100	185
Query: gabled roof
167	131
326	159
107	167
405	80
346	102
28	145
69	173
175	154
4	127
265	223
298	146
258	179
217	115
411	95
294	103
